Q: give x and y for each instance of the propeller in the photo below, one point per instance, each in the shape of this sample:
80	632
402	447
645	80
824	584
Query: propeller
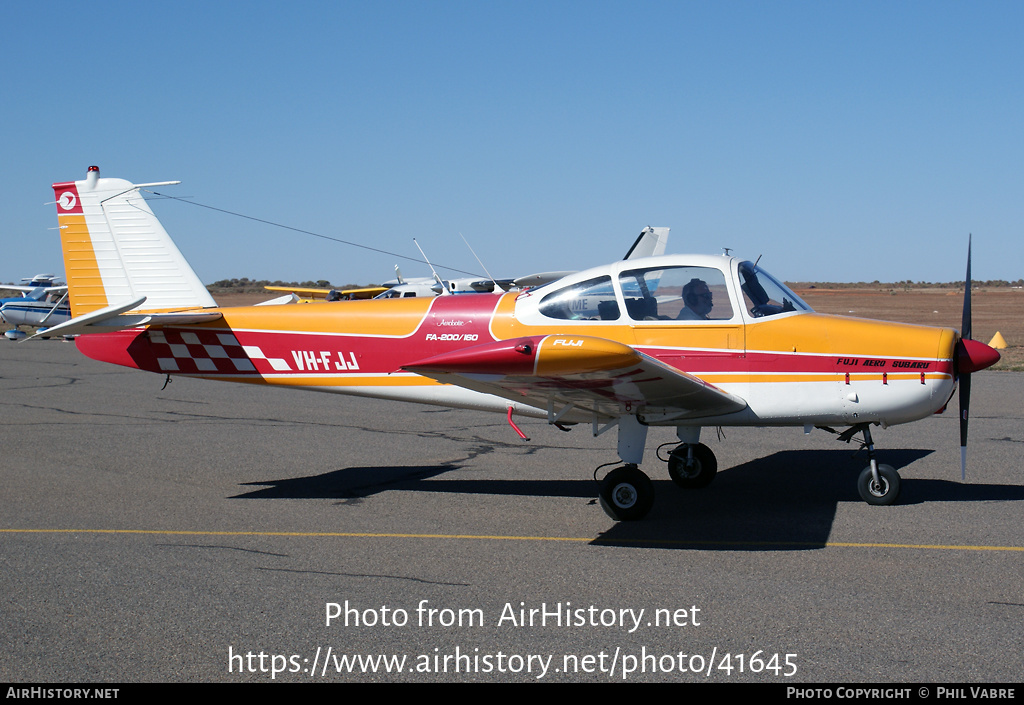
971	356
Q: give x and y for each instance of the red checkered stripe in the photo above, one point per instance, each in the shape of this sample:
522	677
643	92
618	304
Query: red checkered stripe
209	352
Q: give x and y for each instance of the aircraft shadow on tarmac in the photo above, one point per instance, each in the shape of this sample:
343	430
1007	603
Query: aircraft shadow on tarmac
784	501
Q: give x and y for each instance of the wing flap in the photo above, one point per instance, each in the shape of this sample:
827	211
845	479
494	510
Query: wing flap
594	375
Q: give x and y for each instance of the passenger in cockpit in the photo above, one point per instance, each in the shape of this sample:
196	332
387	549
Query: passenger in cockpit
697	301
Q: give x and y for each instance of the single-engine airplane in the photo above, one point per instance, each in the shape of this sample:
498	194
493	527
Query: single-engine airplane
43	302
687	341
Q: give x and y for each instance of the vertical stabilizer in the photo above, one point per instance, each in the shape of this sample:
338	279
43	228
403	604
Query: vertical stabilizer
115	249
650	243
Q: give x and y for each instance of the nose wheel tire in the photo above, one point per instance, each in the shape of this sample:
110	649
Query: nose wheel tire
627	494
883	492
692	473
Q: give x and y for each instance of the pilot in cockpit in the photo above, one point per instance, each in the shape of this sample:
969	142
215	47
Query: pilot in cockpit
697	301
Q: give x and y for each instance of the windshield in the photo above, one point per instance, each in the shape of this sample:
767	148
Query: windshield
764	295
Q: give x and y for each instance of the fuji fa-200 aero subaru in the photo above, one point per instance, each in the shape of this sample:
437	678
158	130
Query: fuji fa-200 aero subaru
688	341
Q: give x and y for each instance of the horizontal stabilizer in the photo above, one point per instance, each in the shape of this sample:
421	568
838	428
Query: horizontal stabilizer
106	320
93	318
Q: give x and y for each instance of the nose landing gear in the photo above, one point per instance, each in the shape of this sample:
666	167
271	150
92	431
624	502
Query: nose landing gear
883	490
877	484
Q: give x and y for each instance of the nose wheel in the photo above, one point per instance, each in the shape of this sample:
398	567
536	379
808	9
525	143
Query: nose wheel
884	489
878	484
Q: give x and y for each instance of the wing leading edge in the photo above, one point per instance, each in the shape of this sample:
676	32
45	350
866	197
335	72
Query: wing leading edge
595	376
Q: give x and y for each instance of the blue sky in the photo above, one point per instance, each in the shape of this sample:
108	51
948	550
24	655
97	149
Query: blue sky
840	141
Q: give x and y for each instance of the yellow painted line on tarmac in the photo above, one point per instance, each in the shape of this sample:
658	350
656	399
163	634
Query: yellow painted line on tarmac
486	537
925	546
295	534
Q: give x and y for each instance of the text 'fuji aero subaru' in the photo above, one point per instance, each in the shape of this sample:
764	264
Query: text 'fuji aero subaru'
688	341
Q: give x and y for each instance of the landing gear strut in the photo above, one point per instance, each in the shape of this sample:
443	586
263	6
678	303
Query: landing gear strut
877	484
626	493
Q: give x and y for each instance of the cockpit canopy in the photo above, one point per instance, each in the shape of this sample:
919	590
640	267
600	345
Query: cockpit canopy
671	288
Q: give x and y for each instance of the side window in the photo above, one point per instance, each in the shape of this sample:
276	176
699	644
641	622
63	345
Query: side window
676	294
592	300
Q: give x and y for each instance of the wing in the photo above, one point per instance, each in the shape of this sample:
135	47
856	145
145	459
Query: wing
315	294
29	289
307	292
594	375
539	279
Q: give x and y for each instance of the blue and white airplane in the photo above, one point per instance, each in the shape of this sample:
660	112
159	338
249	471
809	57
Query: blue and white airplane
43	303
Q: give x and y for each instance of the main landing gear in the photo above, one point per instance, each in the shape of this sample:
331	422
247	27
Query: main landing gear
627	494
692	465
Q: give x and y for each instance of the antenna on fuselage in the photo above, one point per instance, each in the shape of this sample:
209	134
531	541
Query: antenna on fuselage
493	280
444	287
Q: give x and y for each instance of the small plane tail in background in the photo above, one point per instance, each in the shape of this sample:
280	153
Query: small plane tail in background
650	243
116	251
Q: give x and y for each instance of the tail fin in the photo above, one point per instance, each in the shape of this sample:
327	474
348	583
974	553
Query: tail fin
650	243
116	251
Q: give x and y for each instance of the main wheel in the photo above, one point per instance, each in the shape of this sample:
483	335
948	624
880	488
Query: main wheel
698	473
885	491
627	494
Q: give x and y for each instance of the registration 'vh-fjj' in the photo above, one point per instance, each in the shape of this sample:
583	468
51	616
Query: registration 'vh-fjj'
685	341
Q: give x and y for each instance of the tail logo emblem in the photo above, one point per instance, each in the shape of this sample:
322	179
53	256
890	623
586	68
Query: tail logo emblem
67	200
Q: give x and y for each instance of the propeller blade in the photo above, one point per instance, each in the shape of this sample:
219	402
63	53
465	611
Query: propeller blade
965	321
965	403
965	375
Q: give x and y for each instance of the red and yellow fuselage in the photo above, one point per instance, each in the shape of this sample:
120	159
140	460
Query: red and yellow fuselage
794	369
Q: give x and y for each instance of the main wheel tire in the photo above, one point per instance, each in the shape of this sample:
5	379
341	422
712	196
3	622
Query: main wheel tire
627	494
699	474
885	491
